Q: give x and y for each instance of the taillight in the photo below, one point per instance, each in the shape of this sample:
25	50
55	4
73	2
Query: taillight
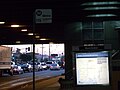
51	66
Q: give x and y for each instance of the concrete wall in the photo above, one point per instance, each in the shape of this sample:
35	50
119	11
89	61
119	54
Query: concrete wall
74	37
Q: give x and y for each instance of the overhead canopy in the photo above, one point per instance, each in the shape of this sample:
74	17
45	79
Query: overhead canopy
21	12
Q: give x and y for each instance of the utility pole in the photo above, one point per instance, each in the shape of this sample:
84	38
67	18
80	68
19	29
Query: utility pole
49	51
42	50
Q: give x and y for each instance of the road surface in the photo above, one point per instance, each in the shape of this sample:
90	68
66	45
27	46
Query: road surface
12	81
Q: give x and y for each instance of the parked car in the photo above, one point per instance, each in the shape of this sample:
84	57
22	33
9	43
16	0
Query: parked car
54	66
38	66
44	66
26	67
62	64
49	63
12	64
17	69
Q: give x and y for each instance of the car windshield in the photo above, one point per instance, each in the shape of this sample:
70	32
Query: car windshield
49	63
43	64
24	65
15	66
54	64
33	63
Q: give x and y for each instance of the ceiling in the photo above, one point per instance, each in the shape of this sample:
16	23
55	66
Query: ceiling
63	11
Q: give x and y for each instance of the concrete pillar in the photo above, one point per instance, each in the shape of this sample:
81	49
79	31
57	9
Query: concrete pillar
68	61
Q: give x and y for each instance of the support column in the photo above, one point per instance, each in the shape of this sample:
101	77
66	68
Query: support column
68	61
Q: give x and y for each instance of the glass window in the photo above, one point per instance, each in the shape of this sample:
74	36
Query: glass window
98	24
86	25
98	34
28	66
87	34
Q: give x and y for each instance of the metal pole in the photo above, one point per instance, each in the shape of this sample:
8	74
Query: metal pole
42	52
49	51
33	51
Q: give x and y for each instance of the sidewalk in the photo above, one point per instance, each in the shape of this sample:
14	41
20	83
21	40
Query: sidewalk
51	84
45	84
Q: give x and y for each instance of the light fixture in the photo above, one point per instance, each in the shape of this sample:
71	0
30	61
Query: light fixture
24	30
51	42
2	22
18	41
43	39
101	3
37	36
15	25
101	15
101	8
30	34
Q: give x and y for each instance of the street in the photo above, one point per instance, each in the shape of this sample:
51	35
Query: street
12	81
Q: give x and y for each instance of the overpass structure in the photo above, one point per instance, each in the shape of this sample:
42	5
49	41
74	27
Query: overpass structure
77	24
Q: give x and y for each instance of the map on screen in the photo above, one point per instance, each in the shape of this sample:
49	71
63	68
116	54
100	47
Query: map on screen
92	68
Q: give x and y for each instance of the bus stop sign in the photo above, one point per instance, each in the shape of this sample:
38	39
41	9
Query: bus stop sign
43	15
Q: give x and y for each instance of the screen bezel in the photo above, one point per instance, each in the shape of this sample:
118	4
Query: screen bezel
75	72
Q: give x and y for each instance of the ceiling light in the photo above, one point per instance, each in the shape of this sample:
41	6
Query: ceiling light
101	3
43	39
101	8
51	42
15	25
24	30
101	15
37	36
18	42
30	33
2	22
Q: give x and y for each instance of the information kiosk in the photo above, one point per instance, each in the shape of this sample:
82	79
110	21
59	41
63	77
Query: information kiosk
92	69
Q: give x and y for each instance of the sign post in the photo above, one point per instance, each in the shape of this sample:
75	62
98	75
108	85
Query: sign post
39	16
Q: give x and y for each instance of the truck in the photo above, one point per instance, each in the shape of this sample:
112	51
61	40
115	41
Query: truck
5	60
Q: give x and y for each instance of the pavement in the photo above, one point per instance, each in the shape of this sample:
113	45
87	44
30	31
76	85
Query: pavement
47	84
43	84
51	84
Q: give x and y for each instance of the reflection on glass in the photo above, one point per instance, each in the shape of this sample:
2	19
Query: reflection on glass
28	69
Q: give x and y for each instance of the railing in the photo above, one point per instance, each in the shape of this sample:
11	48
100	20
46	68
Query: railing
116	54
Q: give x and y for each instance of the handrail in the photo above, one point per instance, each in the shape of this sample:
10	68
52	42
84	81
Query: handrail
115	53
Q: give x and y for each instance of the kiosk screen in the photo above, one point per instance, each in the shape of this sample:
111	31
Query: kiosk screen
92	68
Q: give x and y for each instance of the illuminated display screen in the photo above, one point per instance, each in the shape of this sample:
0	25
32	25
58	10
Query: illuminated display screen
92	68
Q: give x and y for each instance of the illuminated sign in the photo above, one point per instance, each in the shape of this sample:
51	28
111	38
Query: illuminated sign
92	68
